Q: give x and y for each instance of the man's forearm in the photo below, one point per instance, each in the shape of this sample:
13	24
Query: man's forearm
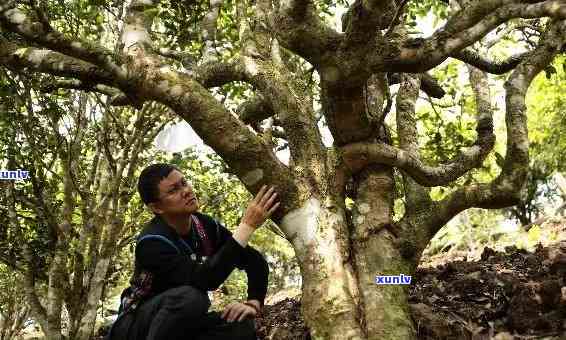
243	233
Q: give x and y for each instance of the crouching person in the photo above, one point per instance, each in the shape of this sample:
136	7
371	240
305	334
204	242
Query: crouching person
180	255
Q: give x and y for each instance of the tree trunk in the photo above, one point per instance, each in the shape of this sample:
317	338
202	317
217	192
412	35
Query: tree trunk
340	297
55	291
88	319
330	297
376	252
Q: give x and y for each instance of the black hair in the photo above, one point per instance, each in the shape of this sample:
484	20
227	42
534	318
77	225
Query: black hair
148	182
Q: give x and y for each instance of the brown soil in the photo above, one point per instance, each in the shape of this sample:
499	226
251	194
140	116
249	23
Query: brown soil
506	295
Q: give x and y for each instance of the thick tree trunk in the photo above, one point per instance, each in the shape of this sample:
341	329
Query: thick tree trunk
340	298
330	297
376	252
340	257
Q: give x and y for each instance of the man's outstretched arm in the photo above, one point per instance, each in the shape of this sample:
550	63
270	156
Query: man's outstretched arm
255	266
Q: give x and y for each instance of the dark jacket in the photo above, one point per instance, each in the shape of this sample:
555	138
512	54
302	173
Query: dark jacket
172	269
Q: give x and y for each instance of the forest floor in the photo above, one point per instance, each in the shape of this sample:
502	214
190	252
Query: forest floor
508	294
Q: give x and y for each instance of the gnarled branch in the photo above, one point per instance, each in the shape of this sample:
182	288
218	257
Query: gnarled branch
299	29
359	155
255	110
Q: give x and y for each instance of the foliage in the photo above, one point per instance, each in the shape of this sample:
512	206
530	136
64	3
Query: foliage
42	134
547	119
18	150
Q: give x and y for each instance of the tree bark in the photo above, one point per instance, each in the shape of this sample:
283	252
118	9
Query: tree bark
330	295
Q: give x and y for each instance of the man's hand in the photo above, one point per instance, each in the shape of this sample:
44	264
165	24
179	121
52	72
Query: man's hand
261	207
238	311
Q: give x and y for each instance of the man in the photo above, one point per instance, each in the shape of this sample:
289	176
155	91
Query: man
180	255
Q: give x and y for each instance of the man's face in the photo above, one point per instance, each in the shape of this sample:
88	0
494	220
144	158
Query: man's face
176	196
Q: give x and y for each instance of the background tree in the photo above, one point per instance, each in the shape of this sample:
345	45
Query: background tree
63	225
547	105
176	53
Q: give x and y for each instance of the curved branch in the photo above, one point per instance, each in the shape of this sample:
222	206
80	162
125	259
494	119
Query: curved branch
16	21
494	67
18	58
213	74
507	188
244	152
462	30
299	29
359	155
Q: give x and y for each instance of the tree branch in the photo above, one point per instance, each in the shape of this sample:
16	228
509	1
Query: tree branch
185	58
359	155
214	74
507	188
41	33
117	97
285	95
299	29
254	110
18	58
219	129
208	25
38	309
364	19
417	197
462	30
494	67
135	38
